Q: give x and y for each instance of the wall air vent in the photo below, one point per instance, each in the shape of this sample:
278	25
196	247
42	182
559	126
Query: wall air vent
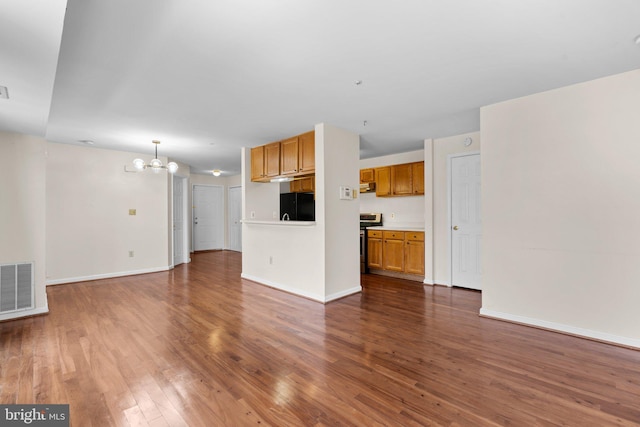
16	287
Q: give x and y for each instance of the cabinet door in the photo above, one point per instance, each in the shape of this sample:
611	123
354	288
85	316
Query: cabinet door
401	180
305	185
257	163
272	159
383	181
289	156
374	252
367	176
393	254
414	257
307	152
417	177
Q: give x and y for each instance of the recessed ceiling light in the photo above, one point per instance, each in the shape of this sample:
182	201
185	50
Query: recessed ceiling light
86	141
4	92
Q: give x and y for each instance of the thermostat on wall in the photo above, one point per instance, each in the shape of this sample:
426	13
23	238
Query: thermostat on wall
345	193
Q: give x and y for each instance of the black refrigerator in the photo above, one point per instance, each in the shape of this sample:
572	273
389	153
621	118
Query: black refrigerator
297	207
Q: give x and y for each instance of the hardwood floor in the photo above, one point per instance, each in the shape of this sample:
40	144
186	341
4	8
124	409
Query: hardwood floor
198	346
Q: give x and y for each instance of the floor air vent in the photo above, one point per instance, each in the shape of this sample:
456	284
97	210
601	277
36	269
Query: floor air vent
16	287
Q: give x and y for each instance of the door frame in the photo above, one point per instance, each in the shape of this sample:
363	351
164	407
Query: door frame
229	207
185	215
450	158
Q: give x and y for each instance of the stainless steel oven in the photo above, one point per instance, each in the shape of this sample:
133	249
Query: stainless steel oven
367	220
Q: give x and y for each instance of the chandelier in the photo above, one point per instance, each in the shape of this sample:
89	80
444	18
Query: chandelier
155	164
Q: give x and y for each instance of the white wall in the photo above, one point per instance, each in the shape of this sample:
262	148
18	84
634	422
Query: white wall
336	167
561	209
89	229
23	208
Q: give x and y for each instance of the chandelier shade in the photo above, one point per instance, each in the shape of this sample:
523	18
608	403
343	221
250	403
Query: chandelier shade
155	165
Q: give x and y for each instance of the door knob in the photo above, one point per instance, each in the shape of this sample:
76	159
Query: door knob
455	227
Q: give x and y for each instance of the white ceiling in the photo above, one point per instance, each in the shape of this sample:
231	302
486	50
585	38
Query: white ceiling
207	77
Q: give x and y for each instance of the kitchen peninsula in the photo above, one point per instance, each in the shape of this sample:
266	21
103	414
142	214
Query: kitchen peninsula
317	259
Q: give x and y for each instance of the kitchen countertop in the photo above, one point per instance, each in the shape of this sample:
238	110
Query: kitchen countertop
396	228
276	222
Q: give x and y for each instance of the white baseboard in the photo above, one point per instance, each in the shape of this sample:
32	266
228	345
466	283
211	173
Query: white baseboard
568	329
296	291
24	313
343	294
106	275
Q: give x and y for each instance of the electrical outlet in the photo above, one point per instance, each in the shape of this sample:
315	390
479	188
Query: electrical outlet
253	214
270	260
130	254
393	215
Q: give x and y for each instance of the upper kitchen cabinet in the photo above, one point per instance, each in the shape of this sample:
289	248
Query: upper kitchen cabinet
292	157
400	180
367	176
383	181
272	159
307	152
289	156
257	163
417	172
265	162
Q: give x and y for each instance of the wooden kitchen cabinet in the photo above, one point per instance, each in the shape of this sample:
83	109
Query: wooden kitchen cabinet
304	185
272	160
289	156
292	157
383	181
393	250
417	173
265	162
257	163
367	176
401	180
307	152
396	253
405	179
414	252
374	249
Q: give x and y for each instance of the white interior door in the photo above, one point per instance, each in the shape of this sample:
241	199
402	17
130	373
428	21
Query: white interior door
178	221
235	216
208	217
466	222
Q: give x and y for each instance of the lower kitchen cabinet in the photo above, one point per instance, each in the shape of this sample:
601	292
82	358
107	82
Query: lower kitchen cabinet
393	250
414	253
397	252
374	249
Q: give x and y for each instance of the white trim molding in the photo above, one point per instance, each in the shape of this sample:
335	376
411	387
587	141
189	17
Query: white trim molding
295	291
558	327
106	275
24	313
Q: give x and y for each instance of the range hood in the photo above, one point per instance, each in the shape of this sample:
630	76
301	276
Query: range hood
367	187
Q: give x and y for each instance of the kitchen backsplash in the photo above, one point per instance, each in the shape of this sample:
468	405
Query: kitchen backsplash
396	211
